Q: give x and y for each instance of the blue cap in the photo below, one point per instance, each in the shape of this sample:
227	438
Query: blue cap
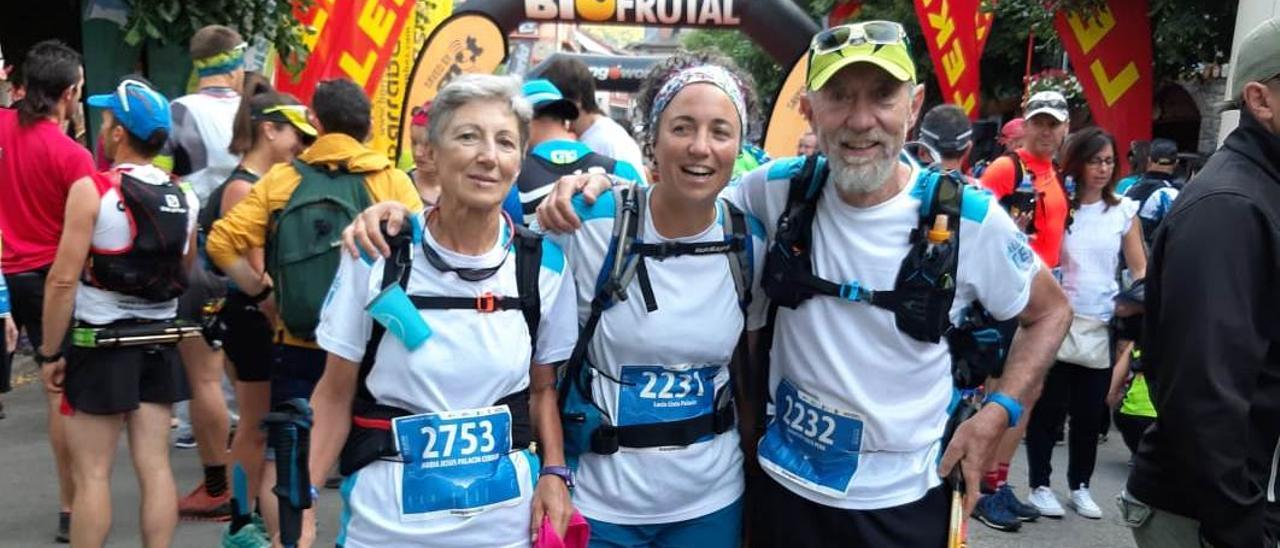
546	98
140	109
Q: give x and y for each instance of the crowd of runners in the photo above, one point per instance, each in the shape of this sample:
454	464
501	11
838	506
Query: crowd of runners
551	332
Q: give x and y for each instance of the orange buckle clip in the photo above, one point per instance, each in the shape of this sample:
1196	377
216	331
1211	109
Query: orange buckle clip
486	303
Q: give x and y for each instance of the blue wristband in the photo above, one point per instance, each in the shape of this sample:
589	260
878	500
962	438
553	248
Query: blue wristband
1010	405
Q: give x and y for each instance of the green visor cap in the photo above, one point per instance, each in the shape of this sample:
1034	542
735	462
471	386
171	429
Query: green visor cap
880	43
295	115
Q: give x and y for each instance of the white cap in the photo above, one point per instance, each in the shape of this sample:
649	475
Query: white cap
1047	102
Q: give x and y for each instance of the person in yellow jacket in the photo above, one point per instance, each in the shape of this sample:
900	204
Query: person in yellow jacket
342	111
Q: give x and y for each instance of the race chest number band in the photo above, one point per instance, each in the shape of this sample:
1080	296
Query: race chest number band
813	444
455	462
651	394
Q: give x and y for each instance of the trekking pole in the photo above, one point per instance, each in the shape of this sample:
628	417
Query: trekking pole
958	528
132	335
289	434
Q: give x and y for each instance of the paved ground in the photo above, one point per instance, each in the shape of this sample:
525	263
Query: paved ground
28	502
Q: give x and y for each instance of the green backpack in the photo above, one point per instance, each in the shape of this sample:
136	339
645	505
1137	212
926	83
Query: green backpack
304	242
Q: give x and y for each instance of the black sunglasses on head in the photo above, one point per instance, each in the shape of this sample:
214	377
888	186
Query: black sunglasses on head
470	274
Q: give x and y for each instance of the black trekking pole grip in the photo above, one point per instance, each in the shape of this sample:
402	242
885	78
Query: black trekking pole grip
289	435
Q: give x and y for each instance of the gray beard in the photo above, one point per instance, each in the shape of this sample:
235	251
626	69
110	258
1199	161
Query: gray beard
862	178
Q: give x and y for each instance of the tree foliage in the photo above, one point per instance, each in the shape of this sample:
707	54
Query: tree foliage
175	21
1185	33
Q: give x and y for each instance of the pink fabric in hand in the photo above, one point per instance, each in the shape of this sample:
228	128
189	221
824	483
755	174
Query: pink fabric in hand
575	536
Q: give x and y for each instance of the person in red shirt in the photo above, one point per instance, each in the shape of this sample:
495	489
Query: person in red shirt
1045	127
38	164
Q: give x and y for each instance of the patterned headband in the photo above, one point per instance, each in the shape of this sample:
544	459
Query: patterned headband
221	63
703	74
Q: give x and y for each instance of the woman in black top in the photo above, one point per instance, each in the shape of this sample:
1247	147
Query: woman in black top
270	128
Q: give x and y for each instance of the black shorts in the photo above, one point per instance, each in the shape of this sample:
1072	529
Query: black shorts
295	372
202	286
783	519
248	339
108	381
6	360
26	303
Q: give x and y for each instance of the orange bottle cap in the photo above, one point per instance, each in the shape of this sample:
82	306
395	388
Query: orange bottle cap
939	233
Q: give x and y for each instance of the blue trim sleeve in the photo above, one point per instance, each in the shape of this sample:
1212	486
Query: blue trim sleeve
627	171
785	168
552	256
974	204
602	209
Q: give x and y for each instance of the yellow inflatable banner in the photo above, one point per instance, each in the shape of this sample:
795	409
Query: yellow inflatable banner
787	123
389	101
467	42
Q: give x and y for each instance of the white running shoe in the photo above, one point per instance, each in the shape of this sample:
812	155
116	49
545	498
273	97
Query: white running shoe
1047	503
1083	503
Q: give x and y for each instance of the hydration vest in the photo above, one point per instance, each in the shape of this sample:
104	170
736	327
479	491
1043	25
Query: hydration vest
1141	192
1020	171
151	266
587	427
370	437
212	211
924	290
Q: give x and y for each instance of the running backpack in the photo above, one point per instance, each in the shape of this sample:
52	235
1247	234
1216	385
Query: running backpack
924	290
304	241
1142	192
586	426
151	267
370	437
1019	171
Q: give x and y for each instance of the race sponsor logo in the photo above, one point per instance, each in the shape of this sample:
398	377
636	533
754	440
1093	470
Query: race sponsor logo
715	13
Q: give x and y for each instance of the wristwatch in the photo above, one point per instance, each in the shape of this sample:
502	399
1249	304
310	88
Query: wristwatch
562	472
1010	405
42	359
262	295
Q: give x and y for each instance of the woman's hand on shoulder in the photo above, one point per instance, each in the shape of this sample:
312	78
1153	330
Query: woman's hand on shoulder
364	234
556	213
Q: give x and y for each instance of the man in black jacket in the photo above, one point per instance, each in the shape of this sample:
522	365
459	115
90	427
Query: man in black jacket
1206	471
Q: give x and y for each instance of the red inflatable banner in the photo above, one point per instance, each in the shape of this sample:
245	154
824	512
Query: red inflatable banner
949	29
353	39
1111	53
982	26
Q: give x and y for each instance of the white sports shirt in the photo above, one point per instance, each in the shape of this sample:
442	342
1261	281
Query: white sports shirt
853	380
470	361
673	357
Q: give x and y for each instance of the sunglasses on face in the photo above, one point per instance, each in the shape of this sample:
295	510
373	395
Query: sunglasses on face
857	34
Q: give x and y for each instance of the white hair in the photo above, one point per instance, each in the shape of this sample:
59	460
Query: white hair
466	88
